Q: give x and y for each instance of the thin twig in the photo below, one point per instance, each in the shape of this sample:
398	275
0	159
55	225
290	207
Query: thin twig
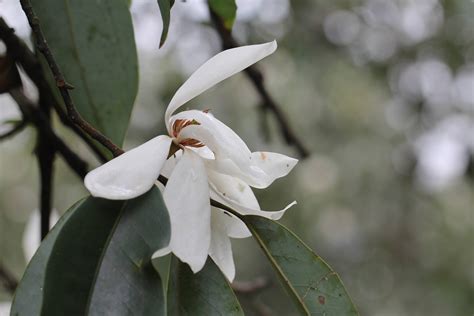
18	50
62	84
15	129
34	115
256	77
45	155
7	280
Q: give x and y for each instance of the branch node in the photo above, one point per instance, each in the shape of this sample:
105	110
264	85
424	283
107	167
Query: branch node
61	83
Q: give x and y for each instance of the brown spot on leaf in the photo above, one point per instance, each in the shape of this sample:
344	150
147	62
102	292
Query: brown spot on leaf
321	300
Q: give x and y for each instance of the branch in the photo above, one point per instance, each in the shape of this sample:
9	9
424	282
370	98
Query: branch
256	77
61	83
34	115
8	281
63	87
45	155
18	50
16	129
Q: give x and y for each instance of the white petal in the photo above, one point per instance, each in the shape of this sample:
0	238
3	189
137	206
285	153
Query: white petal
233	226
170	164
31	235
5	308
233	188
220	138
225	144
204	152
221	249
161	252
259	172
130	174
216	69
232	156
273	164
223	190
187	198
255	172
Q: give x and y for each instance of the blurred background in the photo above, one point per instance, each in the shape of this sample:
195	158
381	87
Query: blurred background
380	91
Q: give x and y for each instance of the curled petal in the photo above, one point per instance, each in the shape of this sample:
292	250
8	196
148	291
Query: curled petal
130	174
223	190
233	188
273	164
216	69
220	249
232	226
186	197
259	172
232	156
220	138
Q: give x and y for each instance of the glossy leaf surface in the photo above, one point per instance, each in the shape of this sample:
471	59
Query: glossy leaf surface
206	293
29	294
93	43
97	261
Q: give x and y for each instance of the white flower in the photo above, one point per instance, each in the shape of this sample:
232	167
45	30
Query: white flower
5	308
212	162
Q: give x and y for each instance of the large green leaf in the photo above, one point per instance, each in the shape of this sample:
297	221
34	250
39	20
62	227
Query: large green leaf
94	45
101	262
225	10
314	286
97	261
165	10
29	294
206	293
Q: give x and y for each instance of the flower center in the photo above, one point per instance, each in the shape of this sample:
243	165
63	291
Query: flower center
178	125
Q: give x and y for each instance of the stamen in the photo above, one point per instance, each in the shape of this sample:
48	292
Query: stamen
191	142
179	124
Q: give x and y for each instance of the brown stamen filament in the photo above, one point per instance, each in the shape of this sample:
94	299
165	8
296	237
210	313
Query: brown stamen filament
179	124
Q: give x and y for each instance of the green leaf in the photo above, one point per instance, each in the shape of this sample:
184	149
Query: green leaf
206	293
314	286
226	10
29	294
165	10
93	43
99	261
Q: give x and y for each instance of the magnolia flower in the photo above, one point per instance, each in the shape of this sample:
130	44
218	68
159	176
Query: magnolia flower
203	159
